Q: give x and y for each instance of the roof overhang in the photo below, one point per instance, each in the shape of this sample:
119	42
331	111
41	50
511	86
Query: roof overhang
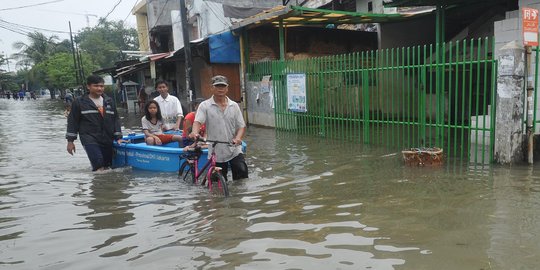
139	8
413	3
131	69
292	16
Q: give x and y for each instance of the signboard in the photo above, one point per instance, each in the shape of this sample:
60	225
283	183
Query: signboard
296	92
530	26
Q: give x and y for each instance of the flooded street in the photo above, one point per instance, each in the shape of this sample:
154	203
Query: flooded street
310	203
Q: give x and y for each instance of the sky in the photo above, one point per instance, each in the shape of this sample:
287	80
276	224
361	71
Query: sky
25	16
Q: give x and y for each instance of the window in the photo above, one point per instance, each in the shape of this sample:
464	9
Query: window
370	6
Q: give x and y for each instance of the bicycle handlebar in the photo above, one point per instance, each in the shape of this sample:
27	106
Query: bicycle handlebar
201	139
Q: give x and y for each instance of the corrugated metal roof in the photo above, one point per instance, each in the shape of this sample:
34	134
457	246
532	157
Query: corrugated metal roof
414	3
302	16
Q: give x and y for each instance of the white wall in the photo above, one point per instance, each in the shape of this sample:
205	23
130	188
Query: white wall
362	6
206	16
158	12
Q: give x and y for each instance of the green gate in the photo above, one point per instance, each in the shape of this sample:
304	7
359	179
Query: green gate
423	96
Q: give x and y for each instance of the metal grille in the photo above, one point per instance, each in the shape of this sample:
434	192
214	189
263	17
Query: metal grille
439	95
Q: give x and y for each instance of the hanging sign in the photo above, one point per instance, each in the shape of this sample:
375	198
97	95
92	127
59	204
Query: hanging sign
530	26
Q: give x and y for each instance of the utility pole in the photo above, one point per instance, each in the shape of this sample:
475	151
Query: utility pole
74	59
187	52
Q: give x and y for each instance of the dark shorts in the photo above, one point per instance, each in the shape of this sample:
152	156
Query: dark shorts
100	156
238	167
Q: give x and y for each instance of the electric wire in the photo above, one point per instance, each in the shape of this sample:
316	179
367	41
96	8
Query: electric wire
32	27
118	3
218	17
38	4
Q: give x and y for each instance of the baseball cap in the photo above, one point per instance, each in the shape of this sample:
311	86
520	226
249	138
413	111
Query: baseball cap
220	80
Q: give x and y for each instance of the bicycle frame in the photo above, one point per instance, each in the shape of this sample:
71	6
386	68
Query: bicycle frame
210	165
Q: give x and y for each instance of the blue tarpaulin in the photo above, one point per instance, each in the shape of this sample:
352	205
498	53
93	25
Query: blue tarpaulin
224	48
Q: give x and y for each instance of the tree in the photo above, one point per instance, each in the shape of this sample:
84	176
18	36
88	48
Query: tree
105	42
35	52
45	62
57	71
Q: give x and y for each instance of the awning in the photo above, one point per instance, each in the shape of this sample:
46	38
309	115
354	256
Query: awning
156	56
413	3
131	68
302	16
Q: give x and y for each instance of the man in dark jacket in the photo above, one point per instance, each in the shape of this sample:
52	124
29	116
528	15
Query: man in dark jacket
94	117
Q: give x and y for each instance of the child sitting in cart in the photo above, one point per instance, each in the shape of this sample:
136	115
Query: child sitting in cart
188	124
153	127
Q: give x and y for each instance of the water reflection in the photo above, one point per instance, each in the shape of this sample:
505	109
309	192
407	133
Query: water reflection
310	203
515	221
109	204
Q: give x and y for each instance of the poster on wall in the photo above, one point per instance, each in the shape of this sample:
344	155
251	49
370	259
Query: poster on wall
265	84
296	92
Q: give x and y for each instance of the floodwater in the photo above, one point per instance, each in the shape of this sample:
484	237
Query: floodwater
310	203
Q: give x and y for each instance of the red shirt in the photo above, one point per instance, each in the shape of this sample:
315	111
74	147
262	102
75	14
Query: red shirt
190	118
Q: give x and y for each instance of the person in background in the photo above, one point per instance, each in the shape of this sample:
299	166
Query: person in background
171	109
152	126
142	98
68	100
95	119
224	122
188	123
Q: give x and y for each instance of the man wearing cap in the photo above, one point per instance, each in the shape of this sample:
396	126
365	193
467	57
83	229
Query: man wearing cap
171	109
224	122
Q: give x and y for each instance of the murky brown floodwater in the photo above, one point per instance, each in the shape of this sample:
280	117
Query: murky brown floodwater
309	204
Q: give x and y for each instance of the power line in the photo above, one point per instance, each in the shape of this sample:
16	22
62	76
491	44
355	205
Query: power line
38	4
32	27
24	33
118	3
129	12
217	16
160	13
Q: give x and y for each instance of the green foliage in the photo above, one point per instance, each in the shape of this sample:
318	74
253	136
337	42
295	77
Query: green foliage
8	82
45	62
105	41
36	51
57	72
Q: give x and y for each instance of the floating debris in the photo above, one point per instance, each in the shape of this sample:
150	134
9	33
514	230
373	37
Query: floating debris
423	156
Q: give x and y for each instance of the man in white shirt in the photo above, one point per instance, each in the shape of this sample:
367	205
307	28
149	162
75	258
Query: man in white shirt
224	122
170	106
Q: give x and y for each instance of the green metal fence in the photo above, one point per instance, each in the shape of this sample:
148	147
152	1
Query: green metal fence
423	96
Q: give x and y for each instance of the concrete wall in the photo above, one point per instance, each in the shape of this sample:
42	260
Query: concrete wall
259	105
509	29
159	12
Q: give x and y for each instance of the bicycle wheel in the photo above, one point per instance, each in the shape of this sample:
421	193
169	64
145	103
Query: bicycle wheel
187	173
219	185
202	175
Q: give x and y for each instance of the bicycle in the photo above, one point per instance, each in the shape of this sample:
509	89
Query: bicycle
190	169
